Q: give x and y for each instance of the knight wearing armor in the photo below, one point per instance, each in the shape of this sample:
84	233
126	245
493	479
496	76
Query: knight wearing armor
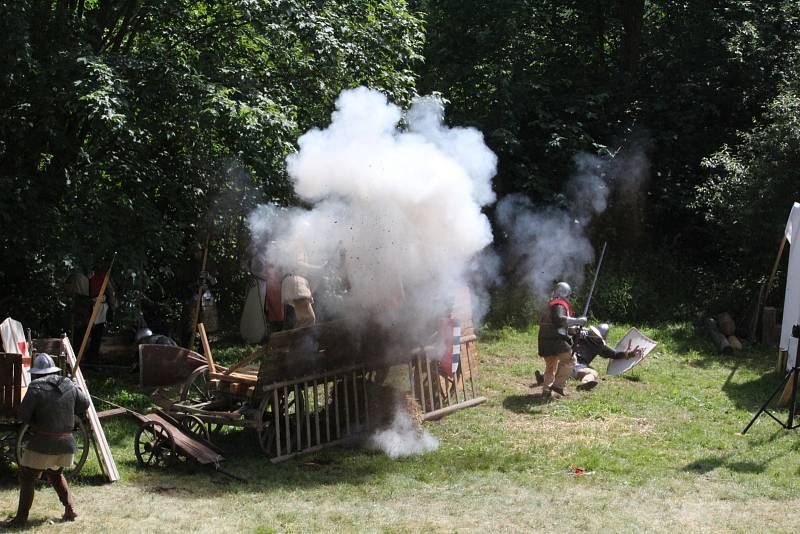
588	344
50	406
555	343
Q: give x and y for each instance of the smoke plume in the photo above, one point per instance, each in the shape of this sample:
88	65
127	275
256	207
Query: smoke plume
548	244
393	227
403	439
394	212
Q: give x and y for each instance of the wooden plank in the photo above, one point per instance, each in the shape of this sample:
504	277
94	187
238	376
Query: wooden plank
206	348
113	412
105	457
234	378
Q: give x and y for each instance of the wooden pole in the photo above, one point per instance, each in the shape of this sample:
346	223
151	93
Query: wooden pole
98	303
196	309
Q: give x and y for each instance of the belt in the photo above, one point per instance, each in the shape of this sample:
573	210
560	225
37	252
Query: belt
51	434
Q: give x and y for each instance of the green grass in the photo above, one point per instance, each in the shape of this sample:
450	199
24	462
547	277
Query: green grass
661	443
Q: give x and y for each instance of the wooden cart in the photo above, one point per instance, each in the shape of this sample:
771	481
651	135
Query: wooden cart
310	388
14	434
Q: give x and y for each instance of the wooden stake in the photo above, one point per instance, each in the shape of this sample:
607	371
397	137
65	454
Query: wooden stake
98	303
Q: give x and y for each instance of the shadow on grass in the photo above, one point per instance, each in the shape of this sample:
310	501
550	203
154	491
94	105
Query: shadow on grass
753	394
524	403
710	463
246	468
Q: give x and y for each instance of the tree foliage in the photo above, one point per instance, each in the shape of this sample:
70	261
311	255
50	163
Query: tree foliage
137	126
676	80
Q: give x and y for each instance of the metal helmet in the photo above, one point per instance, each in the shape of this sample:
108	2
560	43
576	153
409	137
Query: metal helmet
602	328
143	333
562	290
43	364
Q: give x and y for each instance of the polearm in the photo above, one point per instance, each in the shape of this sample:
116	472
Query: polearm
98	303
196	309
596	272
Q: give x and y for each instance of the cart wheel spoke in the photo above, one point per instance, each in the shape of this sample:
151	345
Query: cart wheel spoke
153	444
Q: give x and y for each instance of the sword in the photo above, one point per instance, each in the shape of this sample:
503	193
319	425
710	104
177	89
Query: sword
596	272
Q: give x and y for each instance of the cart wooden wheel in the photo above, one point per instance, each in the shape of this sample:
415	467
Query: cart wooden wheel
81	435
195	389
196	426
154	445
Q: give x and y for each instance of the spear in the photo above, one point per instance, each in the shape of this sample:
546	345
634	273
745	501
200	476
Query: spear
596	272
98	303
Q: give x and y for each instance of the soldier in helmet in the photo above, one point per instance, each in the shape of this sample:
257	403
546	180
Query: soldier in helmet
587	345
555	343
50	406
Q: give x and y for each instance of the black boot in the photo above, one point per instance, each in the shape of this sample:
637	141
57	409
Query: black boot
27	488
59	484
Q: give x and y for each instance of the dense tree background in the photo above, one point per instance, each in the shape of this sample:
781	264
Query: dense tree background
140	126
706	90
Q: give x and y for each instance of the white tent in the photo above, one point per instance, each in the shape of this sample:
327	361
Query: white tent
791	301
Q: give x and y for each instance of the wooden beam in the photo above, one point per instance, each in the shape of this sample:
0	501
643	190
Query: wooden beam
436	414
104	456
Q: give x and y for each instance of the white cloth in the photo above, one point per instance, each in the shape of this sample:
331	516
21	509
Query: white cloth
791	300
252	325
14	342
102	314
41	461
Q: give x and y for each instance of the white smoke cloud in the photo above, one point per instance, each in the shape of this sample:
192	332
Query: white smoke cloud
548	244
402	439
397	211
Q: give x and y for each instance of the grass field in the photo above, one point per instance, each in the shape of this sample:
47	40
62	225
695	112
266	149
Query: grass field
660	446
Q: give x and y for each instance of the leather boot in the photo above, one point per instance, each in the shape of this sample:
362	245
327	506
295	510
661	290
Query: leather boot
59	483
27	488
